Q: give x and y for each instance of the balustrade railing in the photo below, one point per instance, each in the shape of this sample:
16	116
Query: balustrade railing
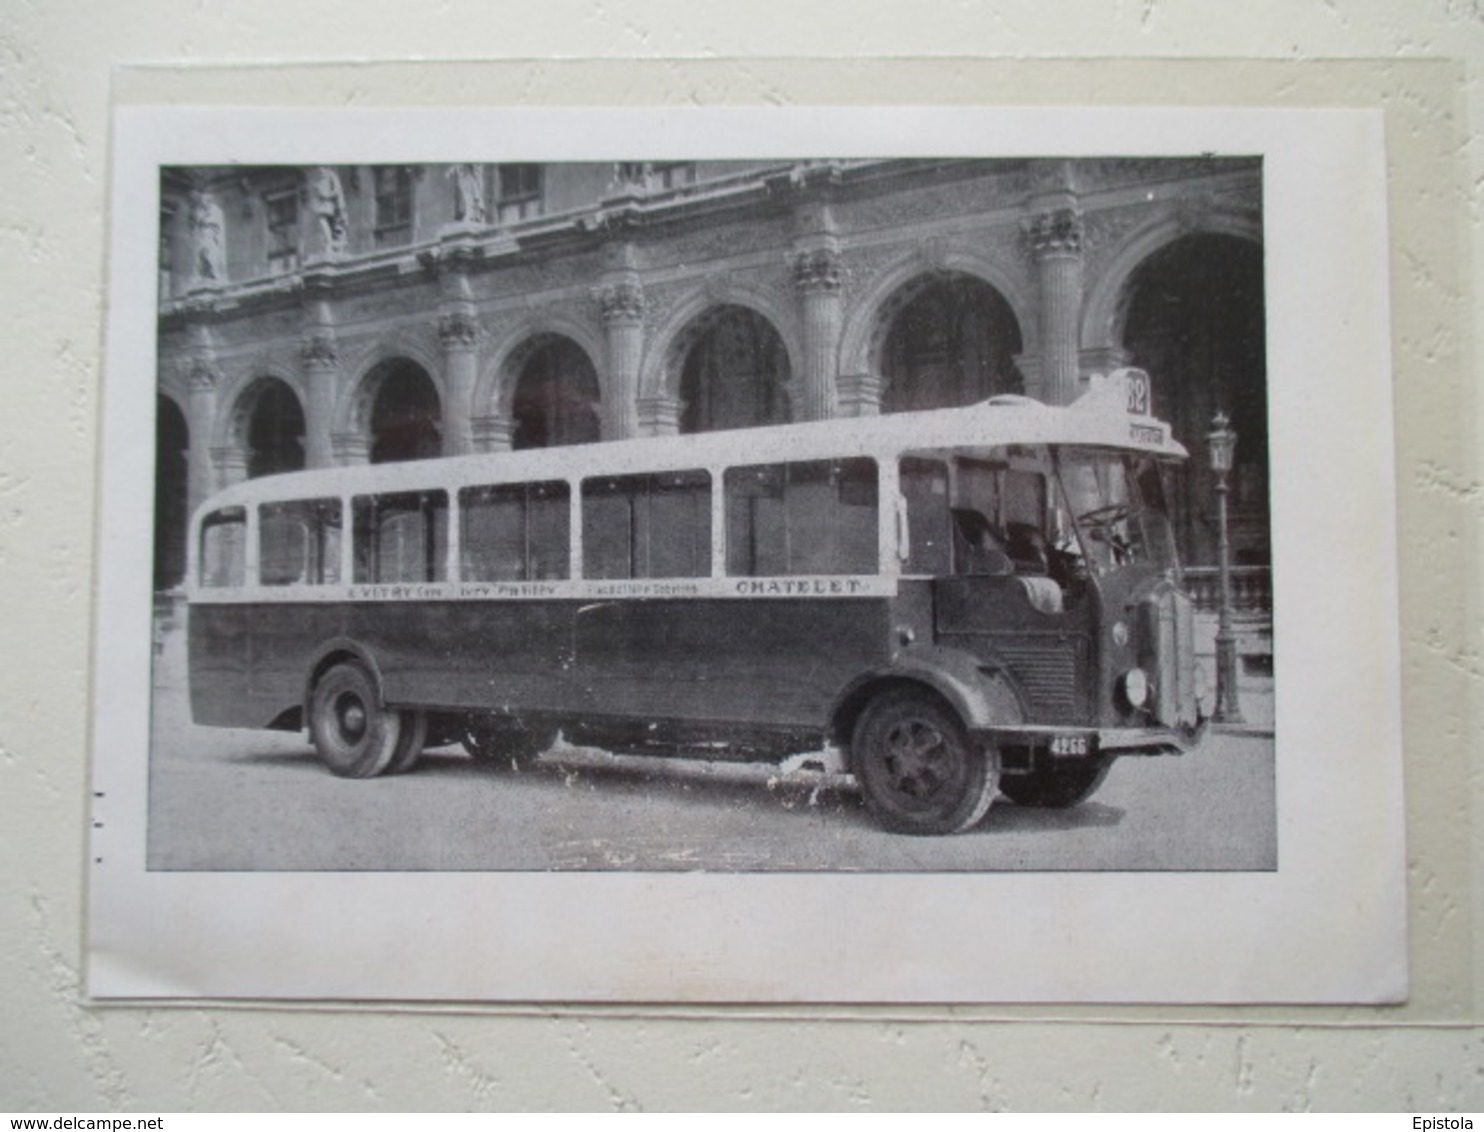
1252	589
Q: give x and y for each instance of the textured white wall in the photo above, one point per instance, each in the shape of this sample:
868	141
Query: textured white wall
55	60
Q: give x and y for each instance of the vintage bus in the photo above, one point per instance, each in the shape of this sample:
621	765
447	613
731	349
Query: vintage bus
958	604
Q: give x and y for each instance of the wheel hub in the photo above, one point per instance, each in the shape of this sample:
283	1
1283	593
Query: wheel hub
915	759
352	715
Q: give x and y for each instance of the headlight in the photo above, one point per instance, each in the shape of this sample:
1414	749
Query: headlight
1136	687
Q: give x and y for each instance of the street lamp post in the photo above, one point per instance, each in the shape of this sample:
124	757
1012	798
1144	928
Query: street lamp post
1223	445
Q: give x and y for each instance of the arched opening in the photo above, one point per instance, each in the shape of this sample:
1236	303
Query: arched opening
734	374
274	428
556	397
172	449
1195	321
951	339
406	414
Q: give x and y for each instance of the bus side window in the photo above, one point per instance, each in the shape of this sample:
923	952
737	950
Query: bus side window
549	532
647	526
515	532
224	548
299	543
812	517
925	488
679	529
401	537
757	542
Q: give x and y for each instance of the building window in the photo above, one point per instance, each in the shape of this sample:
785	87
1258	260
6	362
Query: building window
673	174
282	212
518	191
652	176
393	205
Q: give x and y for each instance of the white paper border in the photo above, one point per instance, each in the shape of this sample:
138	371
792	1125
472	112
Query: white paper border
1327	927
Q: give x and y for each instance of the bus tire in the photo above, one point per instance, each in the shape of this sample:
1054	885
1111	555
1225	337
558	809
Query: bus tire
355	736
1057	785
918	770
410	743
513	743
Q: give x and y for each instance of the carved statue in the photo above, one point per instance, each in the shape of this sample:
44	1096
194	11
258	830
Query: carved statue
327	203
468	194
208	238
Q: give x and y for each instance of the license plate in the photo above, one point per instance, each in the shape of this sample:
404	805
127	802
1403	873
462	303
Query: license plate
1069	745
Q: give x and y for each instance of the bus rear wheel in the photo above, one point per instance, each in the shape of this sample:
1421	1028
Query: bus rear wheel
505	741
410	743
355	736
917	768
1057	785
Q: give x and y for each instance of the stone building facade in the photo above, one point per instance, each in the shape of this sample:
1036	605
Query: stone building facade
316	316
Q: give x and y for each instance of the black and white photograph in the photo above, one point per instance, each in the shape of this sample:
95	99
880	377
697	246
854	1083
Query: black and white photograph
642	508
713	515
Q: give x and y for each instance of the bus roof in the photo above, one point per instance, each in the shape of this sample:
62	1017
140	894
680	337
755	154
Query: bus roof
1106	416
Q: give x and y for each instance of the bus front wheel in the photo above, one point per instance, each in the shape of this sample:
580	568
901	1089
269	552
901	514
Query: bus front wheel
355	736
1055	785
918	770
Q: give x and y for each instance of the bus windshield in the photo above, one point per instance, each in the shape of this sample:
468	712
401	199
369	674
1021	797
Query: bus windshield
1116	504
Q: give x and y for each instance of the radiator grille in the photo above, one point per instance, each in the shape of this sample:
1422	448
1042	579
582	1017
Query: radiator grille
1046	668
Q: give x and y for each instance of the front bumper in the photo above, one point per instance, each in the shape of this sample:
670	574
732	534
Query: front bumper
1153	740
1079	741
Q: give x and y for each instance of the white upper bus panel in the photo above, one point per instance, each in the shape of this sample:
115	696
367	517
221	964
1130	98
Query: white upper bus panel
1113	413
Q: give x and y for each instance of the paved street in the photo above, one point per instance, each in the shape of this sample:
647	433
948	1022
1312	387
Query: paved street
242	800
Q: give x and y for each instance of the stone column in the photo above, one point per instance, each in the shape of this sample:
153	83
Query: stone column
319	354
459	334
1056	245
1029	365
201	418
458	331
492	433
817	278
321	360
350	448
659	416
1103	359
621	304
859	394
231	465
